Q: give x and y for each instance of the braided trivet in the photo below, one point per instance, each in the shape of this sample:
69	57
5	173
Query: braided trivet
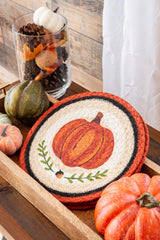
83	143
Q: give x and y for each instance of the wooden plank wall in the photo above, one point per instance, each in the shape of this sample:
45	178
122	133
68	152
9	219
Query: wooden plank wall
85	34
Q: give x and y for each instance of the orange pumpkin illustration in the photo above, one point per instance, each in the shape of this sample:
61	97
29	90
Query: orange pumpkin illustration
80	143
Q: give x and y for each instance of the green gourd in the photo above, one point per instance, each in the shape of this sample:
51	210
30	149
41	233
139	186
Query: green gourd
26	101
4	119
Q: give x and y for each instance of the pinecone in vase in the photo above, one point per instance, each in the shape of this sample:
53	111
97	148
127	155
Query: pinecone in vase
31	70
62	53
56	79
31	29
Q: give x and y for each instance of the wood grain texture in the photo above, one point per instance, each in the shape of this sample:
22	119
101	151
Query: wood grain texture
8	37
24	212
44	201
8	223
89	5
33	4
9	71
85	34
154	134
150	167
51	99
86	54
35	223
1	36
154	151
9	11
8	63
26	215
6	76
86	80
5	233
80	19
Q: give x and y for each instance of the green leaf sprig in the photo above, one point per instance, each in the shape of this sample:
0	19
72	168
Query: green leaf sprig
43	154
89	177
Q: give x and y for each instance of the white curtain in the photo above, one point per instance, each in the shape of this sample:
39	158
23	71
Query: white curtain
131	54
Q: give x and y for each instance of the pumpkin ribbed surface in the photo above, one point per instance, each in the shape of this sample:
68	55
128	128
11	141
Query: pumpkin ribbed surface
10	139
129	208
26	101
83	143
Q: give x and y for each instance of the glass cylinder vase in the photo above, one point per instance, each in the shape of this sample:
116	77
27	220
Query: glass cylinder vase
43	56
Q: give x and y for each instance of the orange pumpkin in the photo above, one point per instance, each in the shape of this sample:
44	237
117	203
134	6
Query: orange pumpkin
10	139
129	209
84	144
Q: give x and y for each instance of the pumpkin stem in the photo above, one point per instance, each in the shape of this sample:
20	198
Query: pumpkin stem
55	10
3	133
148	201
97	119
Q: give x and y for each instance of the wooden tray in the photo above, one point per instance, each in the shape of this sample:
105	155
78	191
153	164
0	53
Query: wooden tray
28	211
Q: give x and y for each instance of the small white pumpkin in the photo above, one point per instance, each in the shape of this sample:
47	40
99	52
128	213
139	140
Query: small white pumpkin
4	119
44	16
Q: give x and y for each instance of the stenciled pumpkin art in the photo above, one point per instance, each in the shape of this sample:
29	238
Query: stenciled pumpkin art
80	143
83	143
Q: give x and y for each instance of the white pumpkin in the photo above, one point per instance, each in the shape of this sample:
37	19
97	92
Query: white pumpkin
4	119
44	16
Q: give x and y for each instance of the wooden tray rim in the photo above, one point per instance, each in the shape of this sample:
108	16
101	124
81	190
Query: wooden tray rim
12	173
